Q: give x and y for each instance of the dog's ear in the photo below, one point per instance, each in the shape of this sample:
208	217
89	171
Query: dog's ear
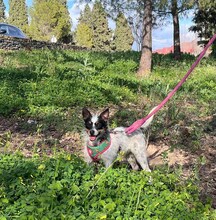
86	113
105	114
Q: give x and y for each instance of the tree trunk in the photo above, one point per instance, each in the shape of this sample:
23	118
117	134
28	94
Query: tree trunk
176	34
146	50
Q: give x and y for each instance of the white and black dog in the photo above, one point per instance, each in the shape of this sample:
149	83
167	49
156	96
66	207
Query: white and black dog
102	144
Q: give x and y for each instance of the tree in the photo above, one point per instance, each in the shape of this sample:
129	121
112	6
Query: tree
144	9
84	30
86	16
204	20
83	36
64	2
18	14
176	31
123	37
204	4
2	11
146	51
67	36
48	18
174	8
101	32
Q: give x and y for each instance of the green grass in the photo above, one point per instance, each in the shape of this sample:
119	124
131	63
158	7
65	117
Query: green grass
48	85
62	79
51	87
63	187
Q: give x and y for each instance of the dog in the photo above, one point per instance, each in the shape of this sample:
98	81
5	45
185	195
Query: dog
104	144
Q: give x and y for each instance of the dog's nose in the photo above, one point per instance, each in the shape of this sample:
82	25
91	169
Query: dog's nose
91	132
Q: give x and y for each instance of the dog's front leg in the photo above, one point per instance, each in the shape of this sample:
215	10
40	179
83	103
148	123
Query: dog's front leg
107	163
87	158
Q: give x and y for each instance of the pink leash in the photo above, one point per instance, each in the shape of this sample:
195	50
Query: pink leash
137	124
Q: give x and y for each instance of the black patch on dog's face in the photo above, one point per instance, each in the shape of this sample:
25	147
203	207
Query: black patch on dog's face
100	124
87	116
95	122
88	123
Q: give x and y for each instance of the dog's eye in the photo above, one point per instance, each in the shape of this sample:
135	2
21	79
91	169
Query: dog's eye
88	124
98	125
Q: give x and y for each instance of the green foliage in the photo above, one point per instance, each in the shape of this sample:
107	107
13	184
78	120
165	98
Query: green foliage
18	15
101	32
123	38
84	35
204	20
38	80
202	87
84	30
61	79
63	187
2	11
203	4
86	16
49	18
92	30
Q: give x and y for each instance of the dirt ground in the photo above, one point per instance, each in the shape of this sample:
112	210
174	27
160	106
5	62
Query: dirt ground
189	162
13	137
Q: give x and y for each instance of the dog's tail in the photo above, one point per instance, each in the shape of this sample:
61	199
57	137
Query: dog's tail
149	121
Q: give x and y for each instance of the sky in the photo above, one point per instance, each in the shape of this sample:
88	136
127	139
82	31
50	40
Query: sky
161	37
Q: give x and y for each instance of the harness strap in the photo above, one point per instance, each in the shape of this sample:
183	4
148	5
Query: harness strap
95	151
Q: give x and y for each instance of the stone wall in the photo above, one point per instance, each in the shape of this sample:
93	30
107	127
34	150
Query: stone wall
11	43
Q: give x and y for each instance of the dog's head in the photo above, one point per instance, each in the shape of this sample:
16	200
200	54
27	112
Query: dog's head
96	125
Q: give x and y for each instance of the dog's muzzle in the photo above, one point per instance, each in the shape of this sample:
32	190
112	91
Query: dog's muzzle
93	134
